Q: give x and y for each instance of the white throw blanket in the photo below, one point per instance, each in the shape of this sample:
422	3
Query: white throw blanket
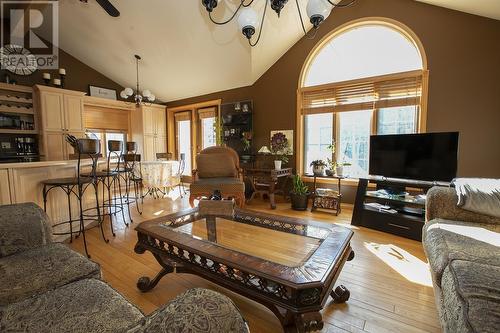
479	195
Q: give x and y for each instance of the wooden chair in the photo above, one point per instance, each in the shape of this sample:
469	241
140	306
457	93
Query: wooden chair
218	169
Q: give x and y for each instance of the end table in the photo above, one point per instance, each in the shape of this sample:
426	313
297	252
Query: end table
326	198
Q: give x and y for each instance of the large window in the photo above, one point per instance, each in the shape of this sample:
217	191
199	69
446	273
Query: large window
367	80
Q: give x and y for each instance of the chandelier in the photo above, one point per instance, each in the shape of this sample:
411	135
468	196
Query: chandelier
248	20
138	96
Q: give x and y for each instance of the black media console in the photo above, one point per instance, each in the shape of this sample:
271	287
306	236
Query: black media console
396	206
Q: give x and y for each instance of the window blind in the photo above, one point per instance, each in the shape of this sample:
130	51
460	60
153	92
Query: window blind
392	90
207	112
182	116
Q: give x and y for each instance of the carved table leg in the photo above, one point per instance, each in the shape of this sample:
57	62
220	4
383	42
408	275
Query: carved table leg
272	188
303	323
146	284
341	294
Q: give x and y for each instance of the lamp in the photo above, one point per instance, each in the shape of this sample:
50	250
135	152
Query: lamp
138	97
248	20
264	150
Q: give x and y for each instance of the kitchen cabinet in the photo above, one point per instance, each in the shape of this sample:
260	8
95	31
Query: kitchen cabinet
61	113
149	130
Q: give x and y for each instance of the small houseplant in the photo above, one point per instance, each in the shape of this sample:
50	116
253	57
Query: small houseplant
332	167
340	168
318	167
299	194
331	162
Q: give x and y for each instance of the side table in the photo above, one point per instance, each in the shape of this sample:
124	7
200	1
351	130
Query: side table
326	198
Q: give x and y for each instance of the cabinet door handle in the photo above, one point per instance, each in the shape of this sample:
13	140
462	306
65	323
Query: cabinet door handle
399	226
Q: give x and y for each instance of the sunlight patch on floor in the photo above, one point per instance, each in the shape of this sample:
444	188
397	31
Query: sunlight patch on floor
407	265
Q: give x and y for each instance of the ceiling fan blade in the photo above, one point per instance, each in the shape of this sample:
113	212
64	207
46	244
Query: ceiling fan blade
109	8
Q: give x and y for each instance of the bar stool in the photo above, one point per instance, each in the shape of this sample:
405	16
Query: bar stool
85	148
110	180
132	175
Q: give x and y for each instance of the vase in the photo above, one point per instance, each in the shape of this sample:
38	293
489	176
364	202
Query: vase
277	165
318	170
340	171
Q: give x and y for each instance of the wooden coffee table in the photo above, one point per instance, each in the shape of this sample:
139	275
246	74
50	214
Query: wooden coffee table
287	264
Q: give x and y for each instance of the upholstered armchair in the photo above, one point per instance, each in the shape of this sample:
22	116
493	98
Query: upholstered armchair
218	168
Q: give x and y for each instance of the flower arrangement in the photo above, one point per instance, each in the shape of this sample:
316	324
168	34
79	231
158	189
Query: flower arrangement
280	147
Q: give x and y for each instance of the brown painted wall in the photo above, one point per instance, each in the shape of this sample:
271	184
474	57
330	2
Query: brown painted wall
78	77
464	89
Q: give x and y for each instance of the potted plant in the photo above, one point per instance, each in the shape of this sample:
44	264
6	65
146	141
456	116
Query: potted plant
331	162
318	167
280	159
299	194
340	168
332	167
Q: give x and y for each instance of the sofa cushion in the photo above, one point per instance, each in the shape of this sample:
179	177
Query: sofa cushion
41	269
471	297
445	240
196	311
24	226
84	306
215	165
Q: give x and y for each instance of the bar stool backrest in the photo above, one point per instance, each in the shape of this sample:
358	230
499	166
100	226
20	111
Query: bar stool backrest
164	156
115	150
88	148
131	147
131	158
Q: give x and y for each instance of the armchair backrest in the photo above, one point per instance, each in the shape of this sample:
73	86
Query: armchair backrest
218	162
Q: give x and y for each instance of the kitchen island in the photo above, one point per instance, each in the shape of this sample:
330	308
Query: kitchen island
22	182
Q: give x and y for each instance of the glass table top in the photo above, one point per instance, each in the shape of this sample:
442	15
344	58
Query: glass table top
279	247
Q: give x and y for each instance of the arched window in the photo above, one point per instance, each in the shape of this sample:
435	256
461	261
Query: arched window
368	78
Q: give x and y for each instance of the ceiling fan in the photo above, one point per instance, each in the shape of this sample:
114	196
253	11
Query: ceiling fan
107	6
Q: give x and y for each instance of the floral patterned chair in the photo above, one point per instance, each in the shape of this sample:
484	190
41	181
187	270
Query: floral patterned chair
218	168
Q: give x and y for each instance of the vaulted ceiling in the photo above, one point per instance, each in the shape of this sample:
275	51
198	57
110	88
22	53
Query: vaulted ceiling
183	53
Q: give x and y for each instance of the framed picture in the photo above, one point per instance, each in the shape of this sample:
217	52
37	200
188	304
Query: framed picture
96	91
282	141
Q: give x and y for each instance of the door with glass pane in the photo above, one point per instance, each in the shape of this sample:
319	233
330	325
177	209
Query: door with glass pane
183	139
207	136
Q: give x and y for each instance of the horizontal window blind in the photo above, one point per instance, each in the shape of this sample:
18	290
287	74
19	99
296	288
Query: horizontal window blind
104	118
392	90
207	112
181	116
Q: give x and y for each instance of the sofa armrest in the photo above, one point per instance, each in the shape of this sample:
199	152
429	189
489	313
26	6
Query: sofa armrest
23	227
442	203
196	310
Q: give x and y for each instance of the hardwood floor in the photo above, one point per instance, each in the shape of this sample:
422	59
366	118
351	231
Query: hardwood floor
389	278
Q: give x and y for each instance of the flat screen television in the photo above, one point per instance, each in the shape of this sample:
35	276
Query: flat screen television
427	156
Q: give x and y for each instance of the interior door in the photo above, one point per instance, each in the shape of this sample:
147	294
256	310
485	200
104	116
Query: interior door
183	139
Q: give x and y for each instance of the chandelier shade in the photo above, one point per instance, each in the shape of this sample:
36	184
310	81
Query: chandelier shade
248	19
138	96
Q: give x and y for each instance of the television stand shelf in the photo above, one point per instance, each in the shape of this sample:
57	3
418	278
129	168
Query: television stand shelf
401	214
